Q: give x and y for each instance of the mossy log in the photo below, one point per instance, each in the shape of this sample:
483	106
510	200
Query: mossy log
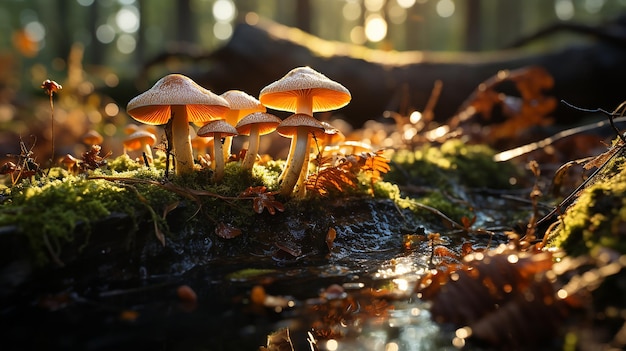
390	80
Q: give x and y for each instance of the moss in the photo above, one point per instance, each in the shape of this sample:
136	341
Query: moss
454	162
598	217
49	209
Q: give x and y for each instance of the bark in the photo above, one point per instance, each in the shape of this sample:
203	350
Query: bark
587	75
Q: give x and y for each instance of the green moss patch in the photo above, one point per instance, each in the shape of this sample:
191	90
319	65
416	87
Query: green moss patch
598	218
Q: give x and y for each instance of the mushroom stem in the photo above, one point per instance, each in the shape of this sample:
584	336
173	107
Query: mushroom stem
301	140
231	118
305	103
253	148
288	161
218	158
181	141
147	149
300	185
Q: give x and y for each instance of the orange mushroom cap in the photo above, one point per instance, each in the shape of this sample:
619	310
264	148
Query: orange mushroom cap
266	123
241	104
138	139
284	94
92	137
218	126
154	105
290	125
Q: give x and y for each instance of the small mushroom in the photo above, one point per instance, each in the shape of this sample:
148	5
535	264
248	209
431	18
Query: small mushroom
241	105
298	127
200	144
71	163
217	129
141	140
92	137
178	100
303	91
255	125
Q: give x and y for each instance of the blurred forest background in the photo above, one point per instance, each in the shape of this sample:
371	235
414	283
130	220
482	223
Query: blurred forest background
96	48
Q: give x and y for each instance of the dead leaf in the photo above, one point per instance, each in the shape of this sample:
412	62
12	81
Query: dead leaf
330	238
227	231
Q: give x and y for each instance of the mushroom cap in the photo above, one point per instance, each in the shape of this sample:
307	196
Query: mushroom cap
139	138
92	137
290	125
241	101
266	122
130	128
218	126
69	159
332	134
200	141
154	105
326	94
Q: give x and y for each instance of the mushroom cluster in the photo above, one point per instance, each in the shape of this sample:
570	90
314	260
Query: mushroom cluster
176	100
302	91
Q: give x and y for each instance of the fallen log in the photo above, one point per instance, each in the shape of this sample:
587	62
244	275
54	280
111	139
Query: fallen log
585	74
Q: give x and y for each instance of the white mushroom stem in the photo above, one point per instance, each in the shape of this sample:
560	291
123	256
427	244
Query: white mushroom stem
301	141
304	104
147	149
253	148
231	118
218	158
181	141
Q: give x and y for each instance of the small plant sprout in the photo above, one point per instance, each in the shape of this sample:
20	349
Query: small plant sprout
217	129
51	87
241	105
255	125
303	91
177	98
141	140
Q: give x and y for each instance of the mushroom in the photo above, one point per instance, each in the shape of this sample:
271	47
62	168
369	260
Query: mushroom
92	137
241	105
217	129
255	125
70	162
298	127
177	100
331	136
303	91
141	140
199	145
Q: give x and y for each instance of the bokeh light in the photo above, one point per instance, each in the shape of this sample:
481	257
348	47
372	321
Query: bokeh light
126	43
35	31
127	19
222	30
374	5
594	6
357	35
351	10
564	9
445	8
224	10
375	28
397	14
105	34
405	3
